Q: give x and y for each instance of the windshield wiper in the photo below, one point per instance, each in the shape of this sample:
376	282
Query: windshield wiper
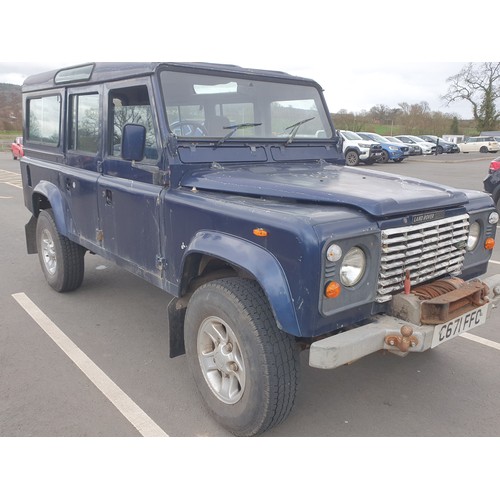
295	128
233	129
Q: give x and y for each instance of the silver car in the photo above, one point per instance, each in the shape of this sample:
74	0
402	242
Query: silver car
428	148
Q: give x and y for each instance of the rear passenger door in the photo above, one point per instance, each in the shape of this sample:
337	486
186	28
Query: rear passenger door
83	159
128	192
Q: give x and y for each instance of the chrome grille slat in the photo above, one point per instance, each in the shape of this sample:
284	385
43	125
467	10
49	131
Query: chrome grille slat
428	250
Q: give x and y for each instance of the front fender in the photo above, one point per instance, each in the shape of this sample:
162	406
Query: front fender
258	262
55	199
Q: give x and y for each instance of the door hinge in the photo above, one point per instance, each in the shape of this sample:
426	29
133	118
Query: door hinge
161	263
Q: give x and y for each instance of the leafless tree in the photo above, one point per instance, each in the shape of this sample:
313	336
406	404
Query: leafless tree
479	84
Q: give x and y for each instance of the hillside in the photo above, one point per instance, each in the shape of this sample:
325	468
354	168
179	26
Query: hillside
10	107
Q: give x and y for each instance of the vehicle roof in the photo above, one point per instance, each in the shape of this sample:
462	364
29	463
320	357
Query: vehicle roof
110	71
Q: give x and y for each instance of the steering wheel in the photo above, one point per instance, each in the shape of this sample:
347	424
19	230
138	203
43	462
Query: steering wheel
188	128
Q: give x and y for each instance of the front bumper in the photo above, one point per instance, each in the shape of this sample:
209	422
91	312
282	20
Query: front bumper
369	154
354	344
396	155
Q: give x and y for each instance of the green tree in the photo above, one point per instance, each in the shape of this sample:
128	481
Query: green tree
479	84
454	126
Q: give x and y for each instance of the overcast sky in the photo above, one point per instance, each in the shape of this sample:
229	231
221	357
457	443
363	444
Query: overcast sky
363	54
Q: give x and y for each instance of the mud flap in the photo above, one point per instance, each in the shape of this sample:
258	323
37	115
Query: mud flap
30	231
175	327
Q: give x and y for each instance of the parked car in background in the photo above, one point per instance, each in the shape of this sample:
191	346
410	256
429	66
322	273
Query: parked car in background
492	182
357	149
442	146
481	144
390	150
414	148
17	148
494	165
428	148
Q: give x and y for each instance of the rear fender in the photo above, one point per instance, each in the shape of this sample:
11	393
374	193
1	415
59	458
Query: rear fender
259	263
53	195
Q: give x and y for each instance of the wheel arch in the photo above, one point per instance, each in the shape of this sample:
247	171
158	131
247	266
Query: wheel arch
47	195
213	251
213	255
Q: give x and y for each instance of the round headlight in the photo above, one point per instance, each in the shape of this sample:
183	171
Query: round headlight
474	232
493	218
353	267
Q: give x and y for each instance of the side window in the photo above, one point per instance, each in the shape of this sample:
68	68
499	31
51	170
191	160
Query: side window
131	105
43	120
84	123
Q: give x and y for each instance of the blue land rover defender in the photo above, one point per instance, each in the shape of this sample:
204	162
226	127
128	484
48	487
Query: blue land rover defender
227	188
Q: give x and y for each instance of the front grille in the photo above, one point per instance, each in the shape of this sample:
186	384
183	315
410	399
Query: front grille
427	251
375	148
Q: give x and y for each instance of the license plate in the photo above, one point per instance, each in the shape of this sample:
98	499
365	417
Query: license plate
459	325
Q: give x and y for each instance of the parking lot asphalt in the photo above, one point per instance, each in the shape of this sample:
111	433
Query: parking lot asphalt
94	362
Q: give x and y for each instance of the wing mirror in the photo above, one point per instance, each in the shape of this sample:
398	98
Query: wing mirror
133	142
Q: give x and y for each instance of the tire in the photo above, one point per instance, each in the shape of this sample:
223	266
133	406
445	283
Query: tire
245	368
384	158
352	158
398	160
483	149
61	259
439	150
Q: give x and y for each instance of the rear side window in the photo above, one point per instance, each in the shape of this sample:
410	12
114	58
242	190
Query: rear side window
84	123
44	120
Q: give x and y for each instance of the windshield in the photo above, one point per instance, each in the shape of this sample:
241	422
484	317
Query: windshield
416	139
233	107
378	138
351	135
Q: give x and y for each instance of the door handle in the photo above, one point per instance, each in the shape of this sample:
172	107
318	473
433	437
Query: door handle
108	196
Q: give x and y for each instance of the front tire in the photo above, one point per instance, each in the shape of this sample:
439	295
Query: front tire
352	158
61	259
384	158
245	368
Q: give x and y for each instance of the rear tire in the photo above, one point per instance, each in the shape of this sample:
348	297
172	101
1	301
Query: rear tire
245	368
483	149
61	259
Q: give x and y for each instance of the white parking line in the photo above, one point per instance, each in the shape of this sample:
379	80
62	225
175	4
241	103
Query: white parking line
133	413
494	261
11	178
480	340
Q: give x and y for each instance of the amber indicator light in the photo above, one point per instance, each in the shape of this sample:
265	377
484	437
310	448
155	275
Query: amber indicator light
258	231
332	290
489	243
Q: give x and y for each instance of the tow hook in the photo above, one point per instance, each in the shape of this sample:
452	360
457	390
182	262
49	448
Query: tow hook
404	341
